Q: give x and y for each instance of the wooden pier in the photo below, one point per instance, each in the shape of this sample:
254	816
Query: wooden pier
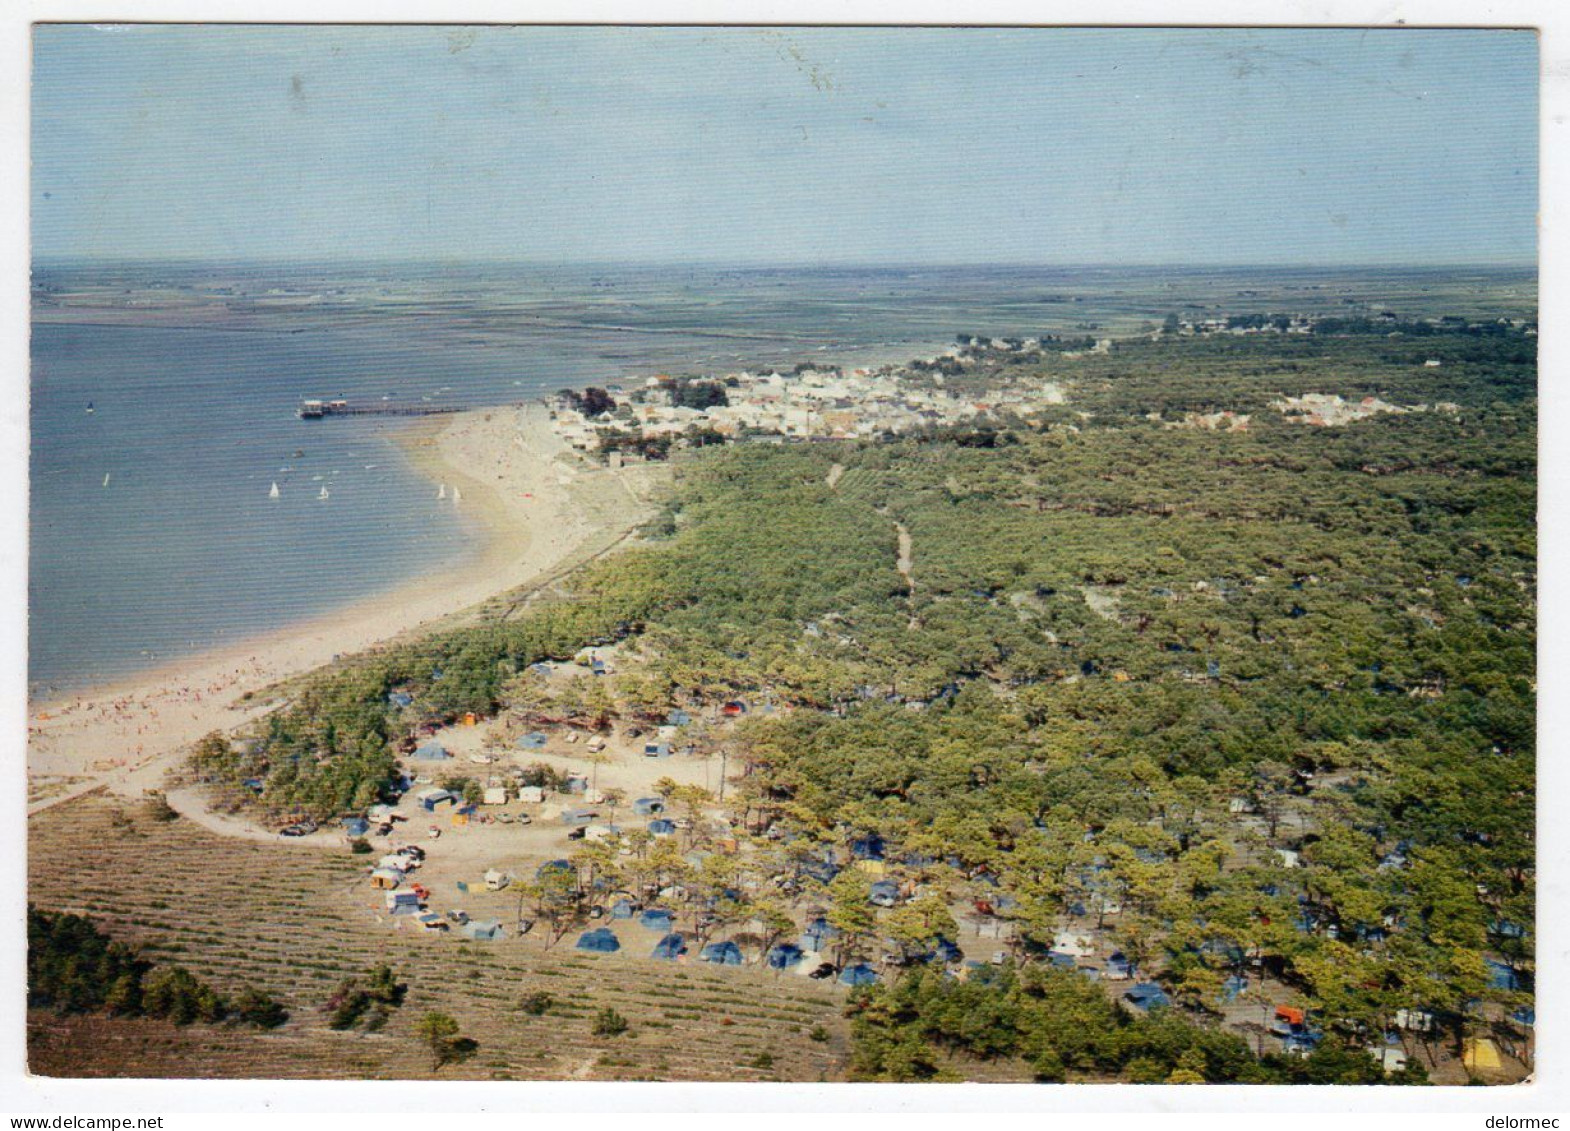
316	410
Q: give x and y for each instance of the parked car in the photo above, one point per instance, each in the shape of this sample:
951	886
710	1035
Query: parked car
294	830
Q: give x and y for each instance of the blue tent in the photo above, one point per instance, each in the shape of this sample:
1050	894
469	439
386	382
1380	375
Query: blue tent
356	826
821	870
602	940
678	718
656	919
481	930
552	866
575	784
1061	960
671	947
1233	987
1505	929
724	953
817	934
884	893
945	951
432	752
1525	1016
1147	996
869	847
429	799
534	740
1501	976
400	699
1302	1040
648	806
540	667
783	956
623	909
661	827
858	975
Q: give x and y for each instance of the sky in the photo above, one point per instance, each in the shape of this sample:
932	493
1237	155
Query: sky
786	145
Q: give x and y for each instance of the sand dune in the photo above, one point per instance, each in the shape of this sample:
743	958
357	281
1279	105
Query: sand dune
509	466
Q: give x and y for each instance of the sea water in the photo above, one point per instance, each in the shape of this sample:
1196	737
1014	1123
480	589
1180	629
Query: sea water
152	533
182	550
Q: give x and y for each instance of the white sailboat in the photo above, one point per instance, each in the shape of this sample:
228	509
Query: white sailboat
442	493
324	494
106	478
273	494
457	496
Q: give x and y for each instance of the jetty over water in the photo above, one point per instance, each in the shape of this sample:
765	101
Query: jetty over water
316	410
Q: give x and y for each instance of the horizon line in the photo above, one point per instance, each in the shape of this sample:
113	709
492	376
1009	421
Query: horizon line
345	260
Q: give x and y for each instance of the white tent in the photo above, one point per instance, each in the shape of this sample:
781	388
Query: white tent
1077	946
810	961
1391	1060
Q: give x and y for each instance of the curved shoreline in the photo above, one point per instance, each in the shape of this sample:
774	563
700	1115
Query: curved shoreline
541	508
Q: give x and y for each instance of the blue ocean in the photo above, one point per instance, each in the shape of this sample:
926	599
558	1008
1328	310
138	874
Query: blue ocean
152	532
154	447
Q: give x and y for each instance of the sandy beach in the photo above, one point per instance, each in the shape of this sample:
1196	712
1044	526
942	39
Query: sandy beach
542	508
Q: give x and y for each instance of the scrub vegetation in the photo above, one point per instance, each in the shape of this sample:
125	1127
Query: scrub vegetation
1255	702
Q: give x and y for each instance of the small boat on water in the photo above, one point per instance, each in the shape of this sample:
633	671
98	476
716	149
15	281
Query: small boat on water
106	478
442	493
457	496
324	494
273	494
90	408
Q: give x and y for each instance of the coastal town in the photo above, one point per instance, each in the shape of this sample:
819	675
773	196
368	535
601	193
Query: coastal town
808	404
